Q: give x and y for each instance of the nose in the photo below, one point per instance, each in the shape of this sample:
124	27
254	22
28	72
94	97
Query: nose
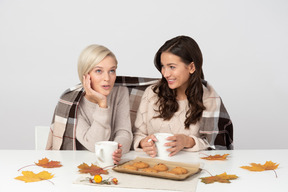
165	73
106	76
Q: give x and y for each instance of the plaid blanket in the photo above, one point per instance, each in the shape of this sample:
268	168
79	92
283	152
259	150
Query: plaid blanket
216	127
63	127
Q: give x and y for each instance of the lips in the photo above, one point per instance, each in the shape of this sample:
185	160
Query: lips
170	81
106	87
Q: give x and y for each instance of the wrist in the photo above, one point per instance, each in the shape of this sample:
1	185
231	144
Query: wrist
140	143
190	142
102	105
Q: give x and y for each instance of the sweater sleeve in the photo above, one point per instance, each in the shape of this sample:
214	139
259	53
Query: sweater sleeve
88	131
200	144
122	127
140	126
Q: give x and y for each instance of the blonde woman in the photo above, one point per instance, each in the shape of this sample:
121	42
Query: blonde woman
95	110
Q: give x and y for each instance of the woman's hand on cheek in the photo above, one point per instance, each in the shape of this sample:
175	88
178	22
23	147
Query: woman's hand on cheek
91	94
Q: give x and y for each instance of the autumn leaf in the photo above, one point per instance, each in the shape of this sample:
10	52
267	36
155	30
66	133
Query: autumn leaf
216	157
29	176
269	165
48	164
222	178
93	169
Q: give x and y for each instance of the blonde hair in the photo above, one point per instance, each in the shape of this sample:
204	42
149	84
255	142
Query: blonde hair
90	57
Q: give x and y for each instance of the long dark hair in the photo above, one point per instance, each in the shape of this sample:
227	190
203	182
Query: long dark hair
188	50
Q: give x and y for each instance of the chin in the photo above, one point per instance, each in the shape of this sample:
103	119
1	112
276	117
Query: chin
106	93
172	87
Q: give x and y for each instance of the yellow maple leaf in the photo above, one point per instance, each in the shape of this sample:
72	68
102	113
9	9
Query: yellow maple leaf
222	178
269	165
29	176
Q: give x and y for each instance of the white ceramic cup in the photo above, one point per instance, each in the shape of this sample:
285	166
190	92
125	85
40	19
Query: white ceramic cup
161	148
104	151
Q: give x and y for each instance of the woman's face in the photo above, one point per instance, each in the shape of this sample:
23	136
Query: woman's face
103	76
175	71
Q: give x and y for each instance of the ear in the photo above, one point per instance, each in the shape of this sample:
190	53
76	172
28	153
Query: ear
192	68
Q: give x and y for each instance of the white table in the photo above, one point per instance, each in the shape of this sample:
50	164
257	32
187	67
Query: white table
12	160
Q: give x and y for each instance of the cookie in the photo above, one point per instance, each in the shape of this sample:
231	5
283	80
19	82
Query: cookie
141	165
149	170
178	171
160	167
130	167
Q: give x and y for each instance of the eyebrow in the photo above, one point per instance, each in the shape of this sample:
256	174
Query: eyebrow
102	67
169	64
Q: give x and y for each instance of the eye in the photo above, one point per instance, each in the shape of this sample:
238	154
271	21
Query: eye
172	67
98	71
112	71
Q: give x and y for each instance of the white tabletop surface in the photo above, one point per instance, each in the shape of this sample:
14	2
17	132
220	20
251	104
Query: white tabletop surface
12	160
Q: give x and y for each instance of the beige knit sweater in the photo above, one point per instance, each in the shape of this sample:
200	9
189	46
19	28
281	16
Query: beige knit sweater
104	124
146	125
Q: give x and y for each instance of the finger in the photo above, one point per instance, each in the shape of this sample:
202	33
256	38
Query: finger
172	153
148	144
118	153
171	149
172	138
174	150
171	144
86	83
153	138
116	161
150	151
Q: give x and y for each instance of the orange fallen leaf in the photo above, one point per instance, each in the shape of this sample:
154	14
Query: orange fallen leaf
29	176
48	164
269	165
222	178
45	163
216	157
93	169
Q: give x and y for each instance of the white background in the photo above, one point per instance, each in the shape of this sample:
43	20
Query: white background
244	44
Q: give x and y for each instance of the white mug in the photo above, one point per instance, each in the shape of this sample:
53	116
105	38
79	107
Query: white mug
161	148
104	151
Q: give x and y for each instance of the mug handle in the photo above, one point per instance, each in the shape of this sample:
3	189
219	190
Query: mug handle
99	154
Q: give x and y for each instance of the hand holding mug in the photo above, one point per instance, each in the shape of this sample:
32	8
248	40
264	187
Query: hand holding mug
117	154
107	153
148	145
179	142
